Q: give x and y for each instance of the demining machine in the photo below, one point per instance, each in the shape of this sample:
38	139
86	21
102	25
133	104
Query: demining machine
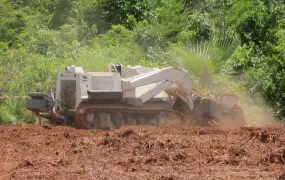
127	95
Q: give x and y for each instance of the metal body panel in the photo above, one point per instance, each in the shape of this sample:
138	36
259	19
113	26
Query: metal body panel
39	102
156	90
95	94
37	105
179	84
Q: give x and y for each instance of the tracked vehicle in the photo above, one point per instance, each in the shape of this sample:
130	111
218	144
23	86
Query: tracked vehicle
128	96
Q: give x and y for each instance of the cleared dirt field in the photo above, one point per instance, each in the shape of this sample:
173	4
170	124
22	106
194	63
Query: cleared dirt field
165	153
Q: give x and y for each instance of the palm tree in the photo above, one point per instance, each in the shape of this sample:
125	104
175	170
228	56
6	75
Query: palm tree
205	62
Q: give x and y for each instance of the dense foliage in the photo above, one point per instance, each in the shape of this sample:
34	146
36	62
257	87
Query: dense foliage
235	41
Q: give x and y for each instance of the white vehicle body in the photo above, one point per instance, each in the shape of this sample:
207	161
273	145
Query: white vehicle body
94	99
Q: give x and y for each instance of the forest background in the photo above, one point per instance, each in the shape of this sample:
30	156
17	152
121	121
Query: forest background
233	46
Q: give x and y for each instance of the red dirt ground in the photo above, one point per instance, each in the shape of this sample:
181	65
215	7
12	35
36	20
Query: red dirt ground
162	153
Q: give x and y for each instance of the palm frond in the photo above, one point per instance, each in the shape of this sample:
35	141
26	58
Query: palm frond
204	60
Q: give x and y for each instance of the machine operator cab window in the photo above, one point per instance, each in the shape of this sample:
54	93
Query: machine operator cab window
67	87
